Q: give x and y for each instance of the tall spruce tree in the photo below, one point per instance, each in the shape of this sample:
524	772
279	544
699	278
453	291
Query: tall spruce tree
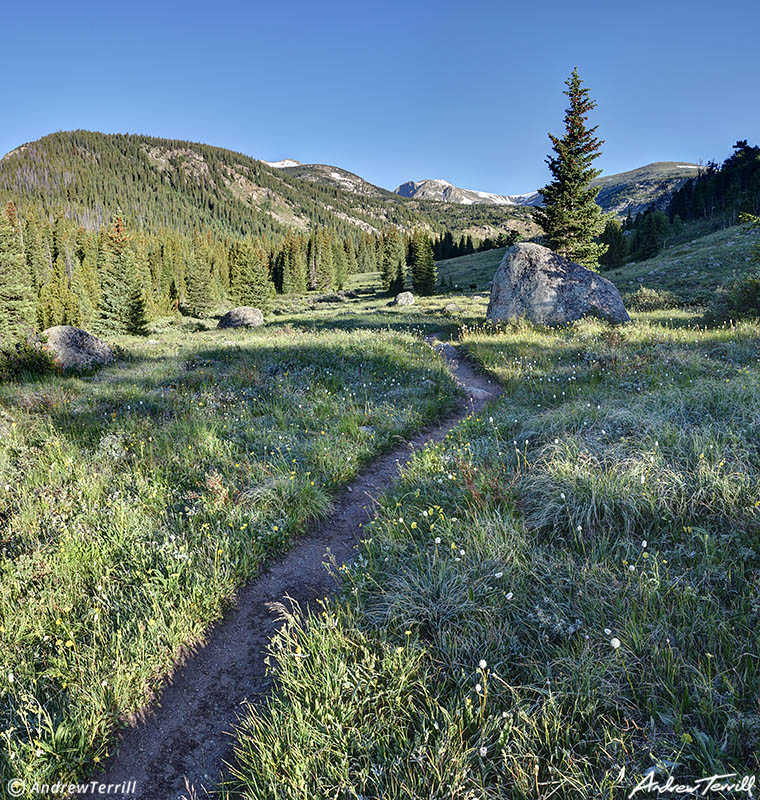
37	252
570	217
339	263
424	272
250	284
350	256
393	262
293	265
122	301
320	260
57	303
16	298
198	288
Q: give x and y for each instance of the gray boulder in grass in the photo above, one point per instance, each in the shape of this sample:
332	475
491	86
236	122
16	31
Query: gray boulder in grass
535	283
405	299
73	348
242	317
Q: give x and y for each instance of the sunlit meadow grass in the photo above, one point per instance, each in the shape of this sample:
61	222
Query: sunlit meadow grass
562	595
134	502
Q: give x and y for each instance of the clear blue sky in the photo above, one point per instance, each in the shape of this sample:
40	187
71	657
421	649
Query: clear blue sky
391	90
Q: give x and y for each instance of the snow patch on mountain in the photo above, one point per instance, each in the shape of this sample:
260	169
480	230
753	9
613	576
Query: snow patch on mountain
286	162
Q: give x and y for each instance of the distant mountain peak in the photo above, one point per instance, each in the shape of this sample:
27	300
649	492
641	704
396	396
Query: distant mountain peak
620	193
444	191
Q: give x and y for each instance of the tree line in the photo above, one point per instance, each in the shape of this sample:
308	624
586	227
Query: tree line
116	279
445	246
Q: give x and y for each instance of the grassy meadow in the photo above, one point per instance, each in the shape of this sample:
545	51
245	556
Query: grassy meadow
135	501
559	597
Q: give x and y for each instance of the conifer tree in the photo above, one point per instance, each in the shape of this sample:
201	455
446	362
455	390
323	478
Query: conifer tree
84	284
367	254
617	246
37	252
57	303
339	263
16	298
570	217
198	290
350	256
320	260
249	275
293	265
122	302
393	262
424	272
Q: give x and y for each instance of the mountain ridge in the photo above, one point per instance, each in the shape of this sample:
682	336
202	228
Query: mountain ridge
188	186
621	192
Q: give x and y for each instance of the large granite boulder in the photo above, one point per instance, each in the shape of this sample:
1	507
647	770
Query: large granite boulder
405	299
73	348
543	287
242	317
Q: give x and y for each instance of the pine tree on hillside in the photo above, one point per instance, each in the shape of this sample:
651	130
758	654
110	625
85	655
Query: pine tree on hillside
350	256
84	284
650	232
37	253
339	263
393	262
367	254
321	264
198	294
424	272
292	265
617	246
122	302
57	303
16	298
570	217
249	275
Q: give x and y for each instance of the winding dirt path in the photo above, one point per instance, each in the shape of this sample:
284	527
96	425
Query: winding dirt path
179	749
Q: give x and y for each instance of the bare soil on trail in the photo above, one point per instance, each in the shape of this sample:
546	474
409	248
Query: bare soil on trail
179	749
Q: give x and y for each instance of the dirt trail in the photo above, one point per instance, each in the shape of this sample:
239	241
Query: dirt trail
180	748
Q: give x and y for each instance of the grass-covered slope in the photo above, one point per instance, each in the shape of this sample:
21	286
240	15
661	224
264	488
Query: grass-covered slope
693	270
134	502
560	597
477	268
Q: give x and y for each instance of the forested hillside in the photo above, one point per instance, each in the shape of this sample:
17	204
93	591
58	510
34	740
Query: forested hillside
111	231
163	183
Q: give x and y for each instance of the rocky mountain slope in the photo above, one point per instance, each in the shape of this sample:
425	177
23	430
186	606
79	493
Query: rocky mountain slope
620	193
444	191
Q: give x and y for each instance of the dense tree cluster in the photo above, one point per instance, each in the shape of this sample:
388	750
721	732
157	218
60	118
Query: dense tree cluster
445	246
116	279
722	191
